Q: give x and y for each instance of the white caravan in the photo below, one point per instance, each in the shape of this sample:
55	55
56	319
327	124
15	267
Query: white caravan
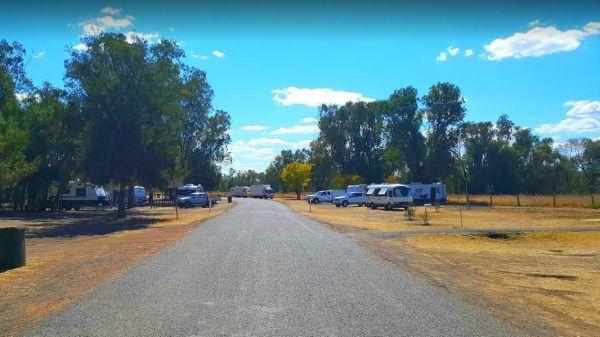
357	188
78	194
428	193
388	196
324	196
186	189
240	191
262	191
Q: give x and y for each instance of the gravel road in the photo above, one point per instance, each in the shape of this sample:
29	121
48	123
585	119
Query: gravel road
263	270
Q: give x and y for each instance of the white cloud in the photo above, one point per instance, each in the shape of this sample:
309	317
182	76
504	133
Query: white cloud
296	129
309	120
241	151
90	28
218	54
20	96
303	144
583	117
539	41
131	37
258	142
453	50
110	22
316	97
469	52
171	29
111	11
571	125
584	108
254	127
442	57
80	47
39	54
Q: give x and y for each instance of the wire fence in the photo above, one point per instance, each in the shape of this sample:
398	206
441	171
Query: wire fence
522	200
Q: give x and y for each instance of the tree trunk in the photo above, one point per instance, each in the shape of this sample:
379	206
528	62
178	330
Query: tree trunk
130	196
121	208
297	195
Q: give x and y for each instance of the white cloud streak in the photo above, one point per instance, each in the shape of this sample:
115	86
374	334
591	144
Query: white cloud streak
111	11
539	41
309	120
218	54
254	127
315	97
39	54
296	129
583	117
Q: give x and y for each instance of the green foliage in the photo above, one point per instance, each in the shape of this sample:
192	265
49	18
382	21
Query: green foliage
276	167
297	176
341	181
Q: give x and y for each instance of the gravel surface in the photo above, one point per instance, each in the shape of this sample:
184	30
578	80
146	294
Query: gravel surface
263	270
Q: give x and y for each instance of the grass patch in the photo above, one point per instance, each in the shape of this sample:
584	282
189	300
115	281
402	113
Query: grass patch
501	235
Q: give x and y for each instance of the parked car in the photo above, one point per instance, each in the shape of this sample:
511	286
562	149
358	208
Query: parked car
240	191
78	195
428	193
324	196
352	198
195	199
262	191
388	196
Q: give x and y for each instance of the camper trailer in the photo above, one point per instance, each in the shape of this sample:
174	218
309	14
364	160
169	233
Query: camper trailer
362	188
78	195
186	189
388	196
428	193
240	191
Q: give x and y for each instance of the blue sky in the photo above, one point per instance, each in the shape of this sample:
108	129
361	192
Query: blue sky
270	64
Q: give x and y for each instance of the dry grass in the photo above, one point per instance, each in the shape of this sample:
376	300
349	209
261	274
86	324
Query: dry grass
447	217
563	200
68	256
534	280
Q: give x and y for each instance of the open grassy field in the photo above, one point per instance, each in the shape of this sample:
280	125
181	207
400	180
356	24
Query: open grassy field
546	283
71	253
562	200
448	217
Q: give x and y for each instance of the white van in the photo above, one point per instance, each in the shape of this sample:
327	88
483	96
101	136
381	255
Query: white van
388	196
240	191
262	191
186	189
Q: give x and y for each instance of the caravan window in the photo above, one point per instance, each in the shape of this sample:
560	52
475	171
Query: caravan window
382	191
371	191
401	191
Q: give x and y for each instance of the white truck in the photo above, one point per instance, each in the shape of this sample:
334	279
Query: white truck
324	196
428	193
240	191
78	195
262	191
389	196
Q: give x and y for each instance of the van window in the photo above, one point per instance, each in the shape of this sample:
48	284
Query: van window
401	191
382	191
370	191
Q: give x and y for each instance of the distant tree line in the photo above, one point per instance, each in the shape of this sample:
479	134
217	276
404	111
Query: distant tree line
131	112
408	138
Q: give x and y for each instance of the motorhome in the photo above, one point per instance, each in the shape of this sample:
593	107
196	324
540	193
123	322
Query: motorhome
427	193
362	188
78	195
324	196
186	189
240	191
388	196
262	191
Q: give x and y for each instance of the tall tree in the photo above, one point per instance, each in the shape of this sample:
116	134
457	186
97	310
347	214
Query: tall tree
130	93
297	176
276	167
444	111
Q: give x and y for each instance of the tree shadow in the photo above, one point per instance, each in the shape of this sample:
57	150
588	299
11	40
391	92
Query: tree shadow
80	223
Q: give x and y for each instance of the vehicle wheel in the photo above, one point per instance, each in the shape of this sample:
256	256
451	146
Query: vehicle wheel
187	204
337	205
388	207
344	203
77	208
316	201
373	206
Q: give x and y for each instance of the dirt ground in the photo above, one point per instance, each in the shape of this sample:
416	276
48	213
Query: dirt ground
72	253
546	283
355	218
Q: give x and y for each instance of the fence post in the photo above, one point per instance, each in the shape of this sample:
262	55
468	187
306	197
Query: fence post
461	218
491	200
593	201
554	200
518	201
